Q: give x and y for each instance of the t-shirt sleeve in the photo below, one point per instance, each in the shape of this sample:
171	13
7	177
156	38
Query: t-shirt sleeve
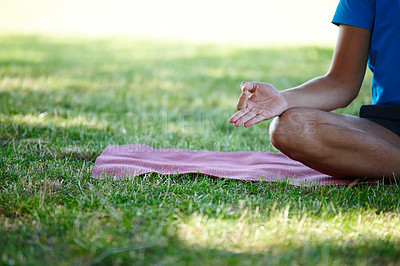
358	13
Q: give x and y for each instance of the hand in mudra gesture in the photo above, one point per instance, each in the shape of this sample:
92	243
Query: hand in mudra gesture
265	102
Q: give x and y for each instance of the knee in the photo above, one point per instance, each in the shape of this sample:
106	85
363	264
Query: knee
293	130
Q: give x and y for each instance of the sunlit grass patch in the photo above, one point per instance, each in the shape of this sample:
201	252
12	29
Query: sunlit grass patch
283	232
44	119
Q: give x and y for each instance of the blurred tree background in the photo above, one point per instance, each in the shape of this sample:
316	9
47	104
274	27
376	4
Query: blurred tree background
248	22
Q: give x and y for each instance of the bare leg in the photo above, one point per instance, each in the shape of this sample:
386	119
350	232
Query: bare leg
338	145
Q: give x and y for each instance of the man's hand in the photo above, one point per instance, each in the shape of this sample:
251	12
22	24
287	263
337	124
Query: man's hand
265	102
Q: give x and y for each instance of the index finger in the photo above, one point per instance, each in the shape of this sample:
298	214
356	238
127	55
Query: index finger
242	102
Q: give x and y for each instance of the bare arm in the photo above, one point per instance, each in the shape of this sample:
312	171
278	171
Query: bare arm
338	88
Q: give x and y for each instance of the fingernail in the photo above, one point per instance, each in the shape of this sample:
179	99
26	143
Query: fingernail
242	85
246	92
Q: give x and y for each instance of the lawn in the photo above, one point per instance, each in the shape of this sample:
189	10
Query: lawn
63	100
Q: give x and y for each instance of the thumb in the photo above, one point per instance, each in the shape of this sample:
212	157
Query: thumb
249	86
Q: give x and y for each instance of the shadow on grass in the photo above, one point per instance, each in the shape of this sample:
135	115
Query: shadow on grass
52	135
327	251
37	246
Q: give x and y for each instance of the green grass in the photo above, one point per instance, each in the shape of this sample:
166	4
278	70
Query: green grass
63	100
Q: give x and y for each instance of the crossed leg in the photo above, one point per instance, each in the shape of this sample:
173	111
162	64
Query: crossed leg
338	145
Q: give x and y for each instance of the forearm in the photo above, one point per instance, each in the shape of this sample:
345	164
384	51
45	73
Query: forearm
324	93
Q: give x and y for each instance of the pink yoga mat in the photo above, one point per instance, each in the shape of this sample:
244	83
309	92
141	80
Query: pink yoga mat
128	161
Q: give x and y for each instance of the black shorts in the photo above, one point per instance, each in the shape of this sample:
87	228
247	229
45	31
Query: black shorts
387	116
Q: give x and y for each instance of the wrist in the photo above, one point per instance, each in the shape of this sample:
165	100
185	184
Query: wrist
287	98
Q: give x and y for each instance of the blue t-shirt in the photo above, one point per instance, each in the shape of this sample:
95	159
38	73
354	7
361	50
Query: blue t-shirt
382	17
